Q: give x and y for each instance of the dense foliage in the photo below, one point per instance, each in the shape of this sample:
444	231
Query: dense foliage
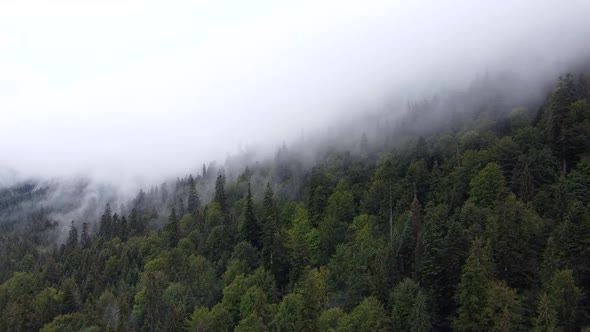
483	225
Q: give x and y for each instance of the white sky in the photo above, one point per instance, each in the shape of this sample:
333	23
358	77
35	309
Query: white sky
128	89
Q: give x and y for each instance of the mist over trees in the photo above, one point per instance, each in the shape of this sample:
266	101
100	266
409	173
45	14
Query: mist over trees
476	221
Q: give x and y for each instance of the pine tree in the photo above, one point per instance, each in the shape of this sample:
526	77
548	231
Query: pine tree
472	291
180	207
123	229
106	220
546	320
563	97
403	299
134	226
220	192
249	227
430	253
421	318
72	243
269	227
115	226
193	198
172	229
85	237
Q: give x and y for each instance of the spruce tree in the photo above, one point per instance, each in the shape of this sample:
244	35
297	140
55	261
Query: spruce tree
269	227
85	237
72	243
123	229
193	198
105	228
249	227
172	229
472	291
220	192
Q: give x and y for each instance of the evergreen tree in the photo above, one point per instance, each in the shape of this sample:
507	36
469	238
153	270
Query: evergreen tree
72	243
106	220
220	192
123	229
193	198
546	320
172	229
563	96
180	207
269	227
487	186
85	237
249	227
472	291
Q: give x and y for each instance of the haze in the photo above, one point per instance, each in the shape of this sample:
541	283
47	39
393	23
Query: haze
140	90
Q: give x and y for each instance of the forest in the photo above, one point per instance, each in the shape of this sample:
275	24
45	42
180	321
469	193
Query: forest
481	223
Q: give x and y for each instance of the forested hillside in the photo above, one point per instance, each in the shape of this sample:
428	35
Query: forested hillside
479	222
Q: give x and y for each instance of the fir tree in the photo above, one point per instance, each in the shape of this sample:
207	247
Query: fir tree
72	243
172	229
85	237
220	192
193	198
249	227
472	291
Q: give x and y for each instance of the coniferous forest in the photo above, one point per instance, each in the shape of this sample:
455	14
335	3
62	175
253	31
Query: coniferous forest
480	223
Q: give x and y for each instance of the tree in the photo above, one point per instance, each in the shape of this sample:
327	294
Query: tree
220	192
85	237
290	314
472	291
205	320
123	229
563	96
249	227
193	198
503	308
72	243
565	296
106	220
403	299
421	317
369	315
270	227
172	230
430	253
149	308
180	207
71	296
487	186
546	320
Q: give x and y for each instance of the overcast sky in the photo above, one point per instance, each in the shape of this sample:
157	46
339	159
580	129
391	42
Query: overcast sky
143	89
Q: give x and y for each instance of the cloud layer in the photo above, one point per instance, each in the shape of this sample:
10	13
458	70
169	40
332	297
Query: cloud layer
139	90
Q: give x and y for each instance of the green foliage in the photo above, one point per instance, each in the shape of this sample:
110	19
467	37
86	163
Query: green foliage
503	308
369	315
487	186
472	290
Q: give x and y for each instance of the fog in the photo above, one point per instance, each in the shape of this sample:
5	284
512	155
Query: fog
137	91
